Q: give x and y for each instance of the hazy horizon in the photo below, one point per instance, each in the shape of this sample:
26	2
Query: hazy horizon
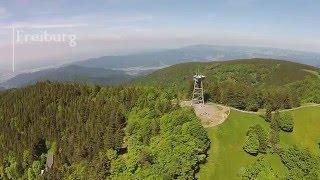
112	27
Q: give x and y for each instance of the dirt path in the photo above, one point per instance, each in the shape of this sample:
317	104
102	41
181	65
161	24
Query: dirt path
284	110
212	114
310	105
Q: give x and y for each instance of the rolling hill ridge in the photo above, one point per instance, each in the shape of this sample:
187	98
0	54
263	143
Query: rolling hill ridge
247	84
254	71
198	53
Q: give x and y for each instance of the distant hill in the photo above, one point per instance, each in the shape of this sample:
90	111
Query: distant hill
2	88
115	69
199	53
253	71
70	73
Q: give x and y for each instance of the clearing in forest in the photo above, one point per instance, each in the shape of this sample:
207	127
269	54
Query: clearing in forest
226	158
210	114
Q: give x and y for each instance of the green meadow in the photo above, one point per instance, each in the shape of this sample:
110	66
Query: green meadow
306	133
226	158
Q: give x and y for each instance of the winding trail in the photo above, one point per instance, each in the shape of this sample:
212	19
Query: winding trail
309	105
284	110
213	114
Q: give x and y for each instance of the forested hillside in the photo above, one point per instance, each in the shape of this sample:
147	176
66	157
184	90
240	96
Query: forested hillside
83	127
247	84
70	73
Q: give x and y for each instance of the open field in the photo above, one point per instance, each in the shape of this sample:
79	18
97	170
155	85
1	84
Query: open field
227	159
306	131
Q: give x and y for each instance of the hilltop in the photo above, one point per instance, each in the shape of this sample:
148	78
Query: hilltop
256	71
245	84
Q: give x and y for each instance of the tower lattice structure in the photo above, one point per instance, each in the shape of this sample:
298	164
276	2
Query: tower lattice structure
197	96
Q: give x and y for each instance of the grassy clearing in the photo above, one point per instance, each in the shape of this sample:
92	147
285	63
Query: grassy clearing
306	131
226	157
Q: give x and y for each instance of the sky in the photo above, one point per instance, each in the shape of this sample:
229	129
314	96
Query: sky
107	27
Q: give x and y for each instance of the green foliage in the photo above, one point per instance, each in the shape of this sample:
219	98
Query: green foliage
142	125
281	98
27	159
282	121
260	170
181	145
301	164
84	128
286	122
78	119
9	168
35	170
256	133
100	166
262	137
308	89
251	144
275	121
176	143
76	171
268	115
274	138
236	94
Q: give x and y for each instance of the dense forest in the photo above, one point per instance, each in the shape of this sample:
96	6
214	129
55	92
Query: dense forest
97	132
248	84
